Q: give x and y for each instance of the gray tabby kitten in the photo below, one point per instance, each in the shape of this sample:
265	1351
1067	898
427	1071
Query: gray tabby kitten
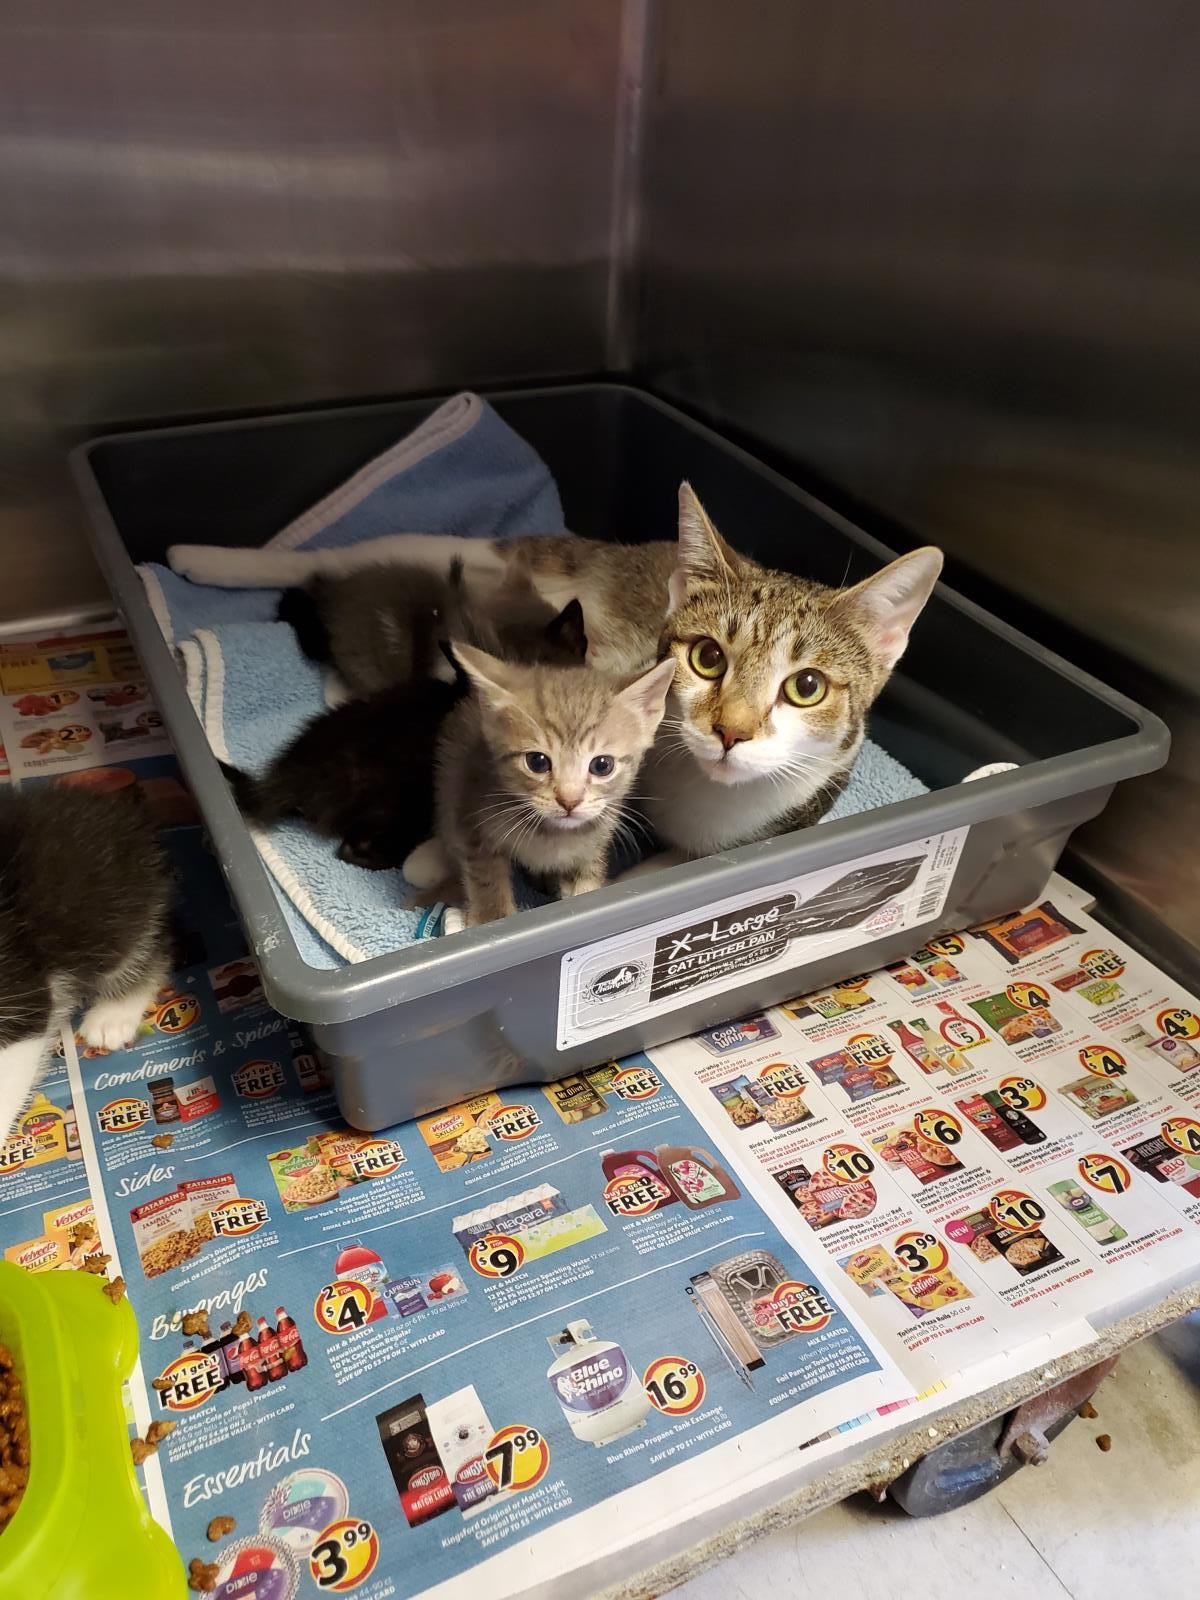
383	624
774	674
83	916
533	768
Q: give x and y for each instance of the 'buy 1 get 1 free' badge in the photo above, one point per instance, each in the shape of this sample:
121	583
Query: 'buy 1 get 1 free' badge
125	1115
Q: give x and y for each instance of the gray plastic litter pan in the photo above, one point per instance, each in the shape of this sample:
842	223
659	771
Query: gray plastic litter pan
447	1018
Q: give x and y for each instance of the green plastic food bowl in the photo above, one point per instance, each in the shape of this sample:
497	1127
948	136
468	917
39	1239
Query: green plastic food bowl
82	1530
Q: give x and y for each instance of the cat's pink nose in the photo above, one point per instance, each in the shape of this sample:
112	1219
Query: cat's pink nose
729	736
567	801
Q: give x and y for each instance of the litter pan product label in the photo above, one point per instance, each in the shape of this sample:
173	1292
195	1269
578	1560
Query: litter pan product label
628	979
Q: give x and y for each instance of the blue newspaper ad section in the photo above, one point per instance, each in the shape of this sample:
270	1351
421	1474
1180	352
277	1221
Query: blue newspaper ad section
46	1214
415	1348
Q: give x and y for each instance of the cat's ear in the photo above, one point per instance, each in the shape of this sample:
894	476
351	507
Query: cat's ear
491	678
886	606
646	696
568	632
702	551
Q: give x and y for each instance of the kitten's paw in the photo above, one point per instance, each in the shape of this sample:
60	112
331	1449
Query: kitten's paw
202	563
426	866
992	769
239	569
453	920
113	1024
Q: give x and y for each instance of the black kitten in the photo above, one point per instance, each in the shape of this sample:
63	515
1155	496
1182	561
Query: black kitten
383	625
363	773
83	918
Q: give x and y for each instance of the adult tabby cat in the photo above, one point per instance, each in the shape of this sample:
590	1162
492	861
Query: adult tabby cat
774	673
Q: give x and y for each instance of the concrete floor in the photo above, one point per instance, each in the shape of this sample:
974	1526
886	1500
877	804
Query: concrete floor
1088	1525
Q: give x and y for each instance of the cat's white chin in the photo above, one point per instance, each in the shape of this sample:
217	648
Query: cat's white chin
730	771
565	824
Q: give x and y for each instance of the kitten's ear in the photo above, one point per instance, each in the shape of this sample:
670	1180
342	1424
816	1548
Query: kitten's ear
568	632
887	605
702	551
490	677
646	696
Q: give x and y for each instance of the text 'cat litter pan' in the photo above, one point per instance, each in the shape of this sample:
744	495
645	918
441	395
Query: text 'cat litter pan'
581	981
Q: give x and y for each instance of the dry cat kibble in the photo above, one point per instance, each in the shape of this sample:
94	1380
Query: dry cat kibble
159	1430
202	1575
81	1233
196	1322
139	1450
243	1324
14	1439
220	1528
95	1263
1087	1409
1104	1440
163	1141
115	1290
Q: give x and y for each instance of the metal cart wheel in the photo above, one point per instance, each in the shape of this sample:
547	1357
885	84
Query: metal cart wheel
966	1468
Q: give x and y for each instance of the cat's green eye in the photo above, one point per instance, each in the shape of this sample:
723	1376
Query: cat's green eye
807	688
707	659
537	761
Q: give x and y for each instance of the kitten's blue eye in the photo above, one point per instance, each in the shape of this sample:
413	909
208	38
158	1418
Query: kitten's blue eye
601	766
537	761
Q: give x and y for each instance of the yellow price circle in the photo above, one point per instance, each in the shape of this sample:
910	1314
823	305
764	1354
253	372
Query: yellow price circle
1103	1061
920	1252
847	1163
1182	1134
344	1306
344	1555
177	1013
1027	995
498	1255
934	1123
674	1385
1016	1210
517	1458
1022	1094
1104	1172
1179	1023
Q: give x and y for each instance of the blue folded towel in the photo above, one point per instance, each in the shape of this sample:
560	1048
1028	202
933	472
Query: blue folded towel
463	471
878	779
